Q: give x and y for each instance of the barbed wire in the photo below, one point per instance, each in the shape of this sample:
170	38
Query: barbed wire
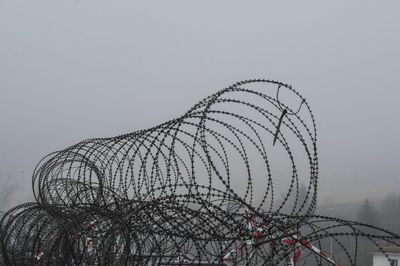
231	182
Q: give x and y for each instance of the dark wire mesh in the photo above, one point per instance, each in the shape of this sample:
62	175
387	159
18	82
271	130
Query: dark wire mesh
231	182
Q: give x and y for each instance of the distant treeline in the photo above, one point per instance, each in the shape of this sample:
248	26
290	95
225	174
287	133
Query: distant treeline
383	213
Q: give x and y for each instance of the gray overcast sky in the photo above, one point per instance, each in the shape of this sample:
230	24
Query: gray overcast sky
75	69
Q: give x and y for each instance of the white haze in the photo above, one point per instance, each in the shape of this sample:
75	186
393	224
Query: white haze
76	69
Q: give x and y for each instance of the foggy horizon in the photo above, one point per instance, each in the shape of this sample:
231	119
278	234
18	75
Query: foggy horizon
74	70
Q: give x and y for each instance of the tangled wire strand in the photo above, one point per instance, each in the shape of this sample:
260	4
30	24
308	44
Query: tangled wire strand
216	186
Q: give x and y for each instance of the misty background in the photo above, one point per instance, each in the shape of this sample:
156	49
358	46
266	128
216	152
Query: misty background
71	70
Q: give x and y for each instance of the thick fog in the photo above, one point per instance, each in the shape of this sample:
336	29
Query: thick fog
77	69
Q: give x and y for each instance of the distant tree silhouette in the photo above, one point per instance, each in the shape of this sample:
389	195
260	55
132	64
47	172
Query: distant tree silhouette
390	212
367	214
